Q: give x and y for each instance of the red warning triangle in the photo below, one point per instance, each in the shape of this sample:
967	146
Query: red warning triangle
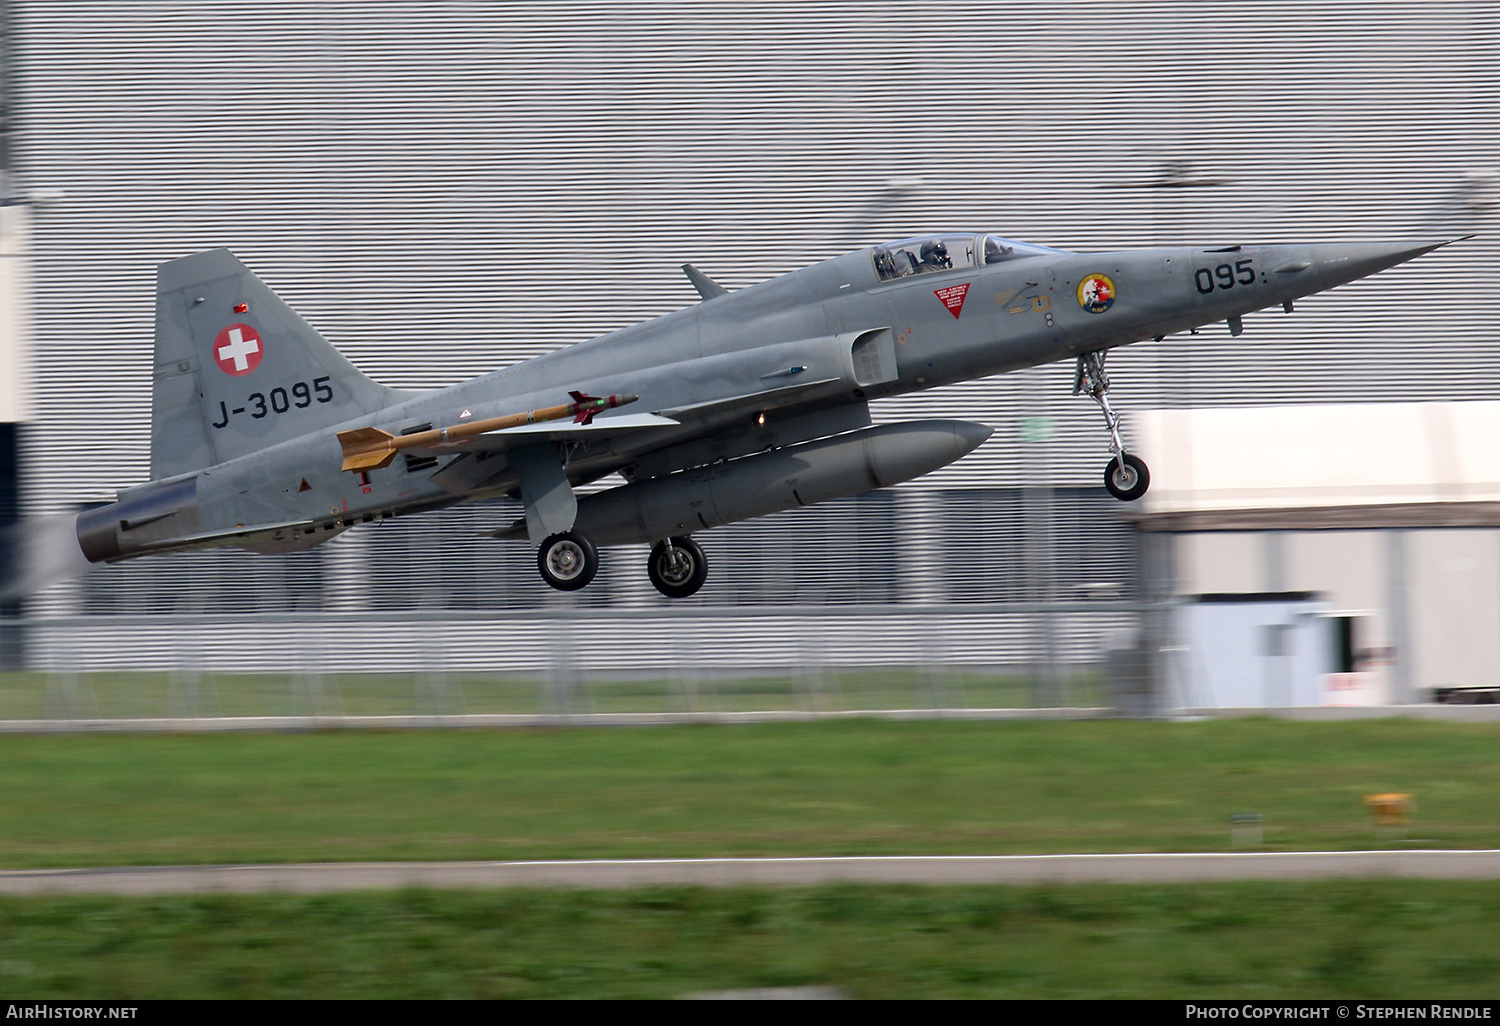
953	297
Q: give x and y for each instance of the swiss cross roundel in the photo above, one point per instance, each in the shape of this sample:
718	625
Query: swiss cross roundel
238	350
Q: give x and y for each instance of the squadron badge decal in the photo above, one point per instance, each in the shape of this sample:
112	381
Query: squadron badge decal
1096	293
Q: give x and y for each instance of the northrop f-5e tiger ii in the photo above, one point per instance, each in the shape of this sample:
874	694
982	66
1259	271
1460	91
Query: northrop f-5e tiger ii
265	438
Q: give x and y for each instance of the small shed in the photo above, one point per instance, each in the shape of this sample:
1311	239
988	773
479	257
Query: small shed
1389	512
1257	650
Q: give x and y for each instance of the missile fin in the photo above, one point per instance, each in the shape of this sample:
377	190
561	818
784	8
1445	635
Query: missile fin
373	460
366	448
584	415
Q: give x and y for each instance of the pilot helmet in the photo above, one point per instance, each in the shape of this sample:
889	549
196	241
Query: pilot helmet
934	252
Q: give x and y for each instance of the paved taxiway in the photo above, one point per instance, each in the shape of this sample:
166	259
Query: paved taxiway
293	724
773	872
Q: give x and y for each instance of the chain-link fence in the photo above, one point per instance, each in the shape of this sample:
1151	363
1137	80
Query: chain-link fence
944	658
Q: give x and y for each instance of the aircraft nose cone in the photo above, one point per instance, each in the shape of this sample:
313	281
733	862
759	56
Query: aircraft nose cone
1337	263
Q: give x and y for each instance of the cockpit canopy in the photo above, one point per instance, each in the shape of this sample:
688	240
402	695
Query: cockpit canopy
932	253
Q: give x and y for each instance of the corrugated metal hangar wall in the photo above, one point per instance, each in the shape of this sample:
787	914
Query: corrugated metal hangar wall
444	188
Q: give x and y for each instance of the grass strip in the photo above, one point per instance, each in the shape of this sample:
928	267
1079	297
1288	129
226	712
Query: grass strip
1254	940
831	788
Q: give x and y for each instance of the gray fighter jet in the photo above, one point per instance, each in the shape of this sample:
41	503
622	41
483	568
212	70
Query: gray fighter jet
265	438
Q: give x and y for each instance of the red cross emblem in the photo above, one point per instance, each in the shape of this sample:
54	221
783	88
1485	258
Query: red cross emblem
238	350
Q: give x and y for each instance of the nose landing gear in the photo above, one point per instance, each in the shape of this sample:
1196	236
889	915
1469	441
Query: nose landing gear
1126	477
1127	480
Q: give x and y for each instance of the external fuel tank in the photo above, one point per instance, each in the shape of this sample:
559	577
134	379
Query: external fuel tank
752	486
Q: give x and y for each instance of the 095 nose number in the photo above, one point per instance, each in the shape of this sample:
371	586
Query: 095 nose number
1224	276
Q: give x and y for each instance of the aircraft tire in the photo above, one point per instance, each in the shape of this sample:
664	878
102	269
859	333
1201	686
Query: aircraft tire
567	561
680	573
1127	482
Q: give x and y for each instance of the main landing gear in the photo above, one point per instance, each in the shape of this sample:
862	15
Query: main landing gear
1126	476
677	567
569	561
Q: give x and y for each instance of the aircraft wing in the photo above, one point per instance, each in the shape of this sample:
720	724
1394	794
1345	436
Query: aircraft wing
769	399
553	431
716	410
474	469
689	420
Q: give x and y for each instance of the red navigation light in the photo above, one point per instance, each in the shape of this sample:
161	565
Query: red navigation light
241	307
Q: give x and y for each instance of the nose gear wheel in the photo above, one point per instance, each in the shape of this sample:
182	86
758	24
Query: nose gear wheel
1126	476
1128	480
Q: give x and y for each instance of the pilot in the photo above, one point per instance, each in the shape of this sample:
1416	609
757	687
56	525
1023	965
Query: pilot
935	255
994	253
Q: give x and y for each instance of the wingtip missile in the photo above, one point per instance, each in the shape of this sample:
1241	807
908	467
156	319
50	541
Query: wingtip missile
370	448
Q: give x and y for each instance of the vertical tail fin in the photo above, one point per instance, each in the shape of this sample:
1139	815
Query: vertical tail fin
237	370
